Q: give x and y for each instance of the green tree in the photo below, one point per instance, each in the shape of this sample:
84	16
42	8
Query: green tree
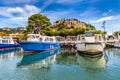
99	32
40	20
3	34
116	33
89	26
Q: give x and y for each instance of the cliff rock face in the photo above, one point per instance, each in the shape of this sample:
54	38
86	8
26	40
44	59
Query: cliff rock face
69	23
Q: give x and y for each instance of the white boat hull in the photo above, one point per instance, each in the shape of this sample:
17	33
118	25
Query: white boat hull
90	47
117	44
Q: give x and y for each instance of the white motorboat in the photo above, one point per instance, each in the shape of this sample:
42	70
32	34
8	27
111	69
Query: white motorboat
90	43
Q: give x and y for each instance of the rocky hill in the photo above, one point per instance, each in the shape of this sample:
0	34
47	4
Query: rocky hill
69	24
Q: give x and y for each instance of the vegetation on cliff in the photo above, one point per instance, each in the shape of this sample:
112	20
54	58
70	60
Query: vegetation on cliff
71	27
72	24
12	30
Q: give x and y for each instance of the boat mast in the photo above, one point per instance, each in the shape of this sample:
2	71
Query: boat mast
104	28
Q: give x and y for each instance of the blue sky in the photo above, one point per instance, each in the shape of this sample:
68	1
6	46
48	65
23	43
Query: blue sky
14	13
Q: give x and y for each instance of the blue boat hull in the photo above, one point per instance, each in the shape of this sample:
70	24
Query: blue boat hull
8	45
38	46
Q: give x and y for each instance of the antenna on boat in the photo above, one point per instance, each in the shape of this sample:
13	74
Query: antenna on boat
112	29
103	26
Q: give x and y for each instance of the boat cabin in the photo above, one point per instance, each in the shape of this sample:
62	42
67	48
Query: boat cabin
33	37
6	40
38	37
89	37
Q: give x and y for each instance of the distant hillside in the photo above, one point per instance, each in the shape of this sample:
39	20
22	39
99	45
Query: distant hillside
13	30
71	24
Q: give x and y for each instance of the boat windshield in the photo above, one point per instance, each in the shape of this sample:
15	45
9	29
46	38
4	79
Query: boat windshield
89	34
37	36
5	41
51	39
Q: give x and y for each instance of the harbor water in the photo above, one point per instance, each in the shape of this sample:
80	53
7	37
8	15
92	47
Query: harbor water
59	64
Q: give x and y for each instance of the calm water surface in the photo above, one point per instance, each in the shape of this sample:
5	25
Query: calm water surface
60	64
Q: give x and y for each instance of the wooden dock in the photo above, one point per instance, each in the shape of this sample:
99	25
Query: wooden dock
68	41
67	44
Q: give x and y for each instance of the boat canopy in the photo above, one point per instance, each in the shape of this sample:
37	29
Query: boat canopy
90	37
38	37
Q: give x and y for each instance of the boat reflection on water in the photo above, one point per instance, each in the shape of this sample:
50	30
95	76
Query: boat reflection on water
38	60
67	57
92	62
9	54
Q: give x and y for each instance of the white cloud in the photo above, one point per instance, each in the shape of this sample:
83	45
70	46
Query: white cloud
17	19
4	12
102	19
24	13
16	9
32	9
109	18
13	21
112	23
27	10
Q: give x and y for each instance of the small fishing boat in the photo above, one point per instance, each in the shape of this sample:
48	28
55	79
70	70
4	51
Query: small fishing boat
90	43
7	43
37	42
